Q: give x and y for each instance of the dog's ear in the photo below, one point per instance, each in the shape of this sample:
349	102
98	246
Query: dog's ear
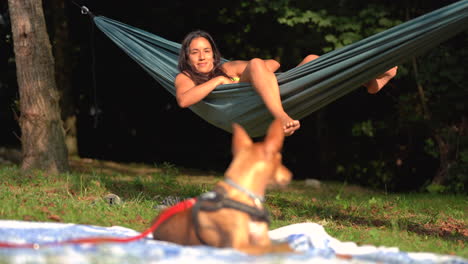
240	138
275	137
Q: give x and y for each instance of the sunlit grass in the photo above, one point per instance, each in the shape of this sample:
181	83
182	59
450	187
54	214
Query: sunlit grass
411	221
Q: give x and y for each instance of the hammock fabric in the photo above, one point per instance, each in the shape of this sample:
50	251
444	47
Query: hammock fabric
303	89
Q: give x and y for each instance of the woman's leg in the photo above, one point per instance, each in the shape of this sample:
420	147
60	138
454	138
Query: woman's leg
308	58
374	85
266	84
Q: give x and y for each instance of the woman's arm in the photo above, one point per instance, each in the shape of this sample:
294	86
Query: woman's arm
188	94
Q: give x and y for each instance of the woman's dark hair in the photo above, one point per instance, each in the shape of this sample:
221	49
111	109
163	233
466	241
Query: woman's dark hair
186	68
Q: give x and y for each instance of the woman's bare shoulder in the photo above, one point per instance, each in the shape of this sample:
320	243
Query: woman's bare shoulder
181	75
183	79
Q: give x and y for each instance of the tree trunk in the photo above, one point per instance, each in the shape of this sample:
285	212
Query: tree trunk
449	150
61	51
444	161
325	170
443	146
42	135
421	93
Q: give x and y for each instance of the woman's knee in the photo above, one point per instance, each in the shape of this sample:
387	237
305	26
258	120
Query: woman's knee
256	64
272	65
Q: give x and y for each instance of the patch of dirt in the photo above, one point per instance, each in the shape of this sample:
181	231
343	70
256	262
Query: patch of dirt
86	165
9	156
448	227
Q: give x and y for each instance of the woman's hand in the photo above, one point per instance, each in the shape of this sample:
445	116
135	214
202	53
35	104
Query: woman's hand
224	80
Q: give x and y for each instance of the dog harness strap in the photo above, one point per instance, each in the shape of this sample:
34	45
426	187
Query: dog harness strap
255	213
255	197
196	222
216	200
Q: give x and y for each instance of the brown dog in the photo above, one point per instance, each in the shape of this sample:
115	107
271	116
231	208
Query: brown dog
232	215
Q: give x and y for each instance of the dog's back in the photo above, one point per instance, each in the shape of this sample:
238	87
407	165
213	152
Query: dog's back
177	229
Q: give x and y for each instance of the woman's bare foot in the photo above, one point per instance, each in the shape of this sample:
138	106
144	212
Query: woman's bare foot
290	125
375	85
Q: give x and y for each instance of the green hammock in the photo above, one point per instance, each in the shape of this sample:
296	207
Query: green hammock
304	89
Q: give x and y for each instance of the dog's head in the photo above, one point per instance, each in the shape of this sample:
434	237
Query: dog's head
259	163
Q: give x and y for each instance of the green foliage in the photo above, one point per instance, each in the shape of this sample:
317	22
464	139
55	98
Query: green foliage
440	74
252	30
363	129
444	80
444	83
342	29
458	173
436	188
431	148
373	173
414	131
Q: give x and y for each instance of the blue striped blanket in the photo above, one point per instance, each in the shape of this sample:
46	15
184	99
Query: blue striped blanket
311	241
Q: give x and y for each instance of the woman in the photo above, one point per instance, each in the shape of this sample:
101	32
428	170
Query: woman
201	71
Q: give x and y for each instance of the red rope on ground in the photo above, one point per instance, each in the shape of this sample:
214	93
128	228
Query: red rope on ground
184	205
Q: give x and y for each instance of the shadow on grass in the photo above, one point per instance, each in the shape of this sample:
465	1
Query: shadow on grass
450	230
141	181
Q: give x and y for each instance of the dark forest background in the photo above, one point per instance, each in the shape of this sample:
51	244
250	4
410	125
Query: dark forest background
410	136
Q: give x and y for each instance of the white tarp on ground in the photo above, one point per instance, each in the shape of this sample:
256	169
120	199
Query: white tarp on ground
310	239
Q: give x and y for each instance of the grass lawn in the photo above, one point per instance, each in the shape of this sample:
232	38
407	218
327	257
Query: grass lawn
416	222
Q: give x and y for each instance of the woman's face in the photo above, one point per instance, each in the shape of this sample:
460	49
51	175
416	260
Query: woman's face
201	55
